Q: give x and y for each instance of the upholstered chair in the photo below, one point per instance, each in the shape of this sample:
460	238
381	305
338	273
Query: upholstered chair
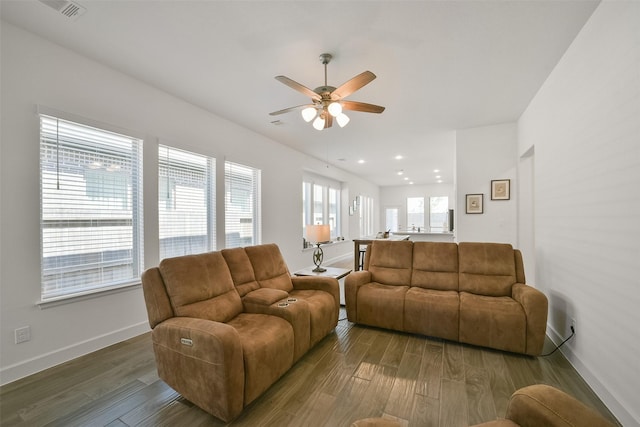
207	348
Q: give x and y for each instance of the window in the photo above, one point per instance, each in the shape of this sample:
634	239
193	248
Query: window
321	204
242	205
90	209
415	213
186	202
392	216
366	215
439	213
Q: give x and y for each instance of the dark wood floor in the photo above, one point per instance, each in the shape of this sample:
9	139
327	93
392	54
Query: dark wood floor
355	372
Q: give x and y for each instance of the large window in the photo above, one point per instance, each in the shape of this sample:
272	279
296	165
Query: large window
415	213
186	202
242	205
391	219
439	213
90	208
321	204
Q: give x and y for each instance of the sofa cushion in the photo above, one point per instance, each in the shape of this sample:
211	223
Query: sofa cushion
323	312
267	348
201	286
496	322
390	262
241	270
432	312
435	265
269	267
486	268
381	305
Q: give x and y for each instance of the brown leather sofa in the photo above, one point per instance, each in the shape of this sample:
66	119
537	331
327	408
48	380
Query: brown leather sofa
468	292
532	406
226	325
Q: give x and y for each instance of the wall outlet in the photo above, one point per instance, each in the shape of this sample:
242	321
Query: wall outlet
23	334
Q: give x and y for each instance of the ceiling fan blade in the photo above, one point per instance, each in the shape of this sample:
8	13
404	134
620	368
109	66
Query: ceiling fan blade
286	110
352	85
297	86
361	106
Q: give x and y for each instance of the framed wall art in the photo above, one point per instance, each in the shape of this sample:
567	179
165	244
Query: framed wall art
500	189
474	203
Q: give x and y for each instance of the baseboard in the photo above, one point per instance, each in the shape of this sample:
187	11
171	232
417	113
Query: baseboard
39	363
617	409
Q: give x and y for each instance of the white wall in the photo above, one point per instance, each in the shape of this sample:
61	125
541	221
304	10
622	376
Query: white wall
585	126
484	154
36	72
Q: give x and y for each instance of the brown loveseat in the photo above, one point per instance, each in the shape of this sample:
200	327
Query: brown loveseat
226	325
469	292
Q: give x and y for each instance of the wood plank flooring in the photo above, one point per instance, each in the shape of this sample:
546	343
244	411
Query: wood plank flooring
355	372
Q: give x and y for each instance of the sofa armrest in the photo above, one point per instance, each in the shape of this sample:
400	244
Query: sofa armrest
327	284
535	306
543	405
351	285
202	360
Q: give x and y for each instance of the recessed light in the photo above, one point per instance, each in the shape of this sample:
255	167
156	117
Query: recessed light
438	176
436	170
398	157
406	178
411	182
400	172
361	161
439	181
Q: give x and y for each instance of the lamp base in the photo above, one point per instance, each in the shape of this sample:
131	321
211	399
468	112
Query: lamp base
317	259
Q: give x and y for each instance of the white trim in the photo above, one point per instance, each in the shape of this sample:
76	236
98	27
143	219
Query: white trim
39	363
82	296
623	415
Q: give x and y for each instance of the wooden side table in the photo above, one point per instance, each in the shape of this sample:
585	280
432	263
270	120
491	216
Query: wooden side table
336	273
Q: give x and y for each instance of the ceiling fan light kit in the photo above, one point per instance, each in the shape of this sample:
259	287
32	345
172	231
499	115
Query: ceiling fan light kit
327	101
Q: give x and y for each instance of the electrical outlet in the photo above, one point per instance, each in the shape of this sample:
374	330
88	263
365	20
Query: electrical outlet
23	334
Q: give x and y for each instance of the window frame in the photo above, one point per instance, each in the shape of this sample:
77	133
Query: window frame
88	185
185	166
330	190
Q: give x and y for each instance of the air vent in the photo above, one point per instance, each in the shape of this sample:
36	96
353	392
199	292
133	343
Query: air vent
67	8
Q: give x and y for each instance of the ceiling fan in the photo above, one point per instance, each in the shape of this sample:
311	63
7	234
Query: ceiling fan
327	101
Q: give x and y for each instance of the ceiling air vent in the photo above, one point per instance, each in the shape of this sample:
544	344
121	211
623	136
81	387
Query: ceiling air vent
67	8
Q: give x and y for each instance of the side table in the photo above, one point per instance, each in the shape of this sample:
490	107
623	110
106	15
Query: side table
336	273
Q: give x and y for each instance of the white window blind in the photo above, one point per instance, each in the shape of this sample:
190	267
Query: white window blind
186	202
415	213
90	208
320	204
366	215
243	225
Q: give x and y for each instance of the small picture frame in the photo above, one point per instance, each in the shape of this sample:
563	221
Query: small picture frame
474	203
500	189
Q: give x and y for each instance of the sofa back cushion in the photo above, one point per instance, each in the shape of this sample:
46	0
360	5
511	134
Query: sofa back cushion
269	267
390	262
241	270
486	268
200	286
435	266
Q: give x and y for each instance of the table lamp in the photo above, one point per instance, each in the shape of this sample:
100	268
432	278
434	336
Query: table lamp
317	234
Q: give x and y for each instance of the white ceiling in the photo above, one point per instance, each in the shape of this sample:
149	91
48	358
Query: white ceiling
440	65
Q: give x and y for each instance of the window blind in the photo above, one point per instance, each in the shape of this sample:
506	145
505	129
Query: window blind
320	204
243	223
90	208
186	202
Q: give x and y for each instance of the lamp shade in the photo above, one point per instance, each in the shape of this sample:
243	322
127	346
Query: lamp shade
308	114
318	233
